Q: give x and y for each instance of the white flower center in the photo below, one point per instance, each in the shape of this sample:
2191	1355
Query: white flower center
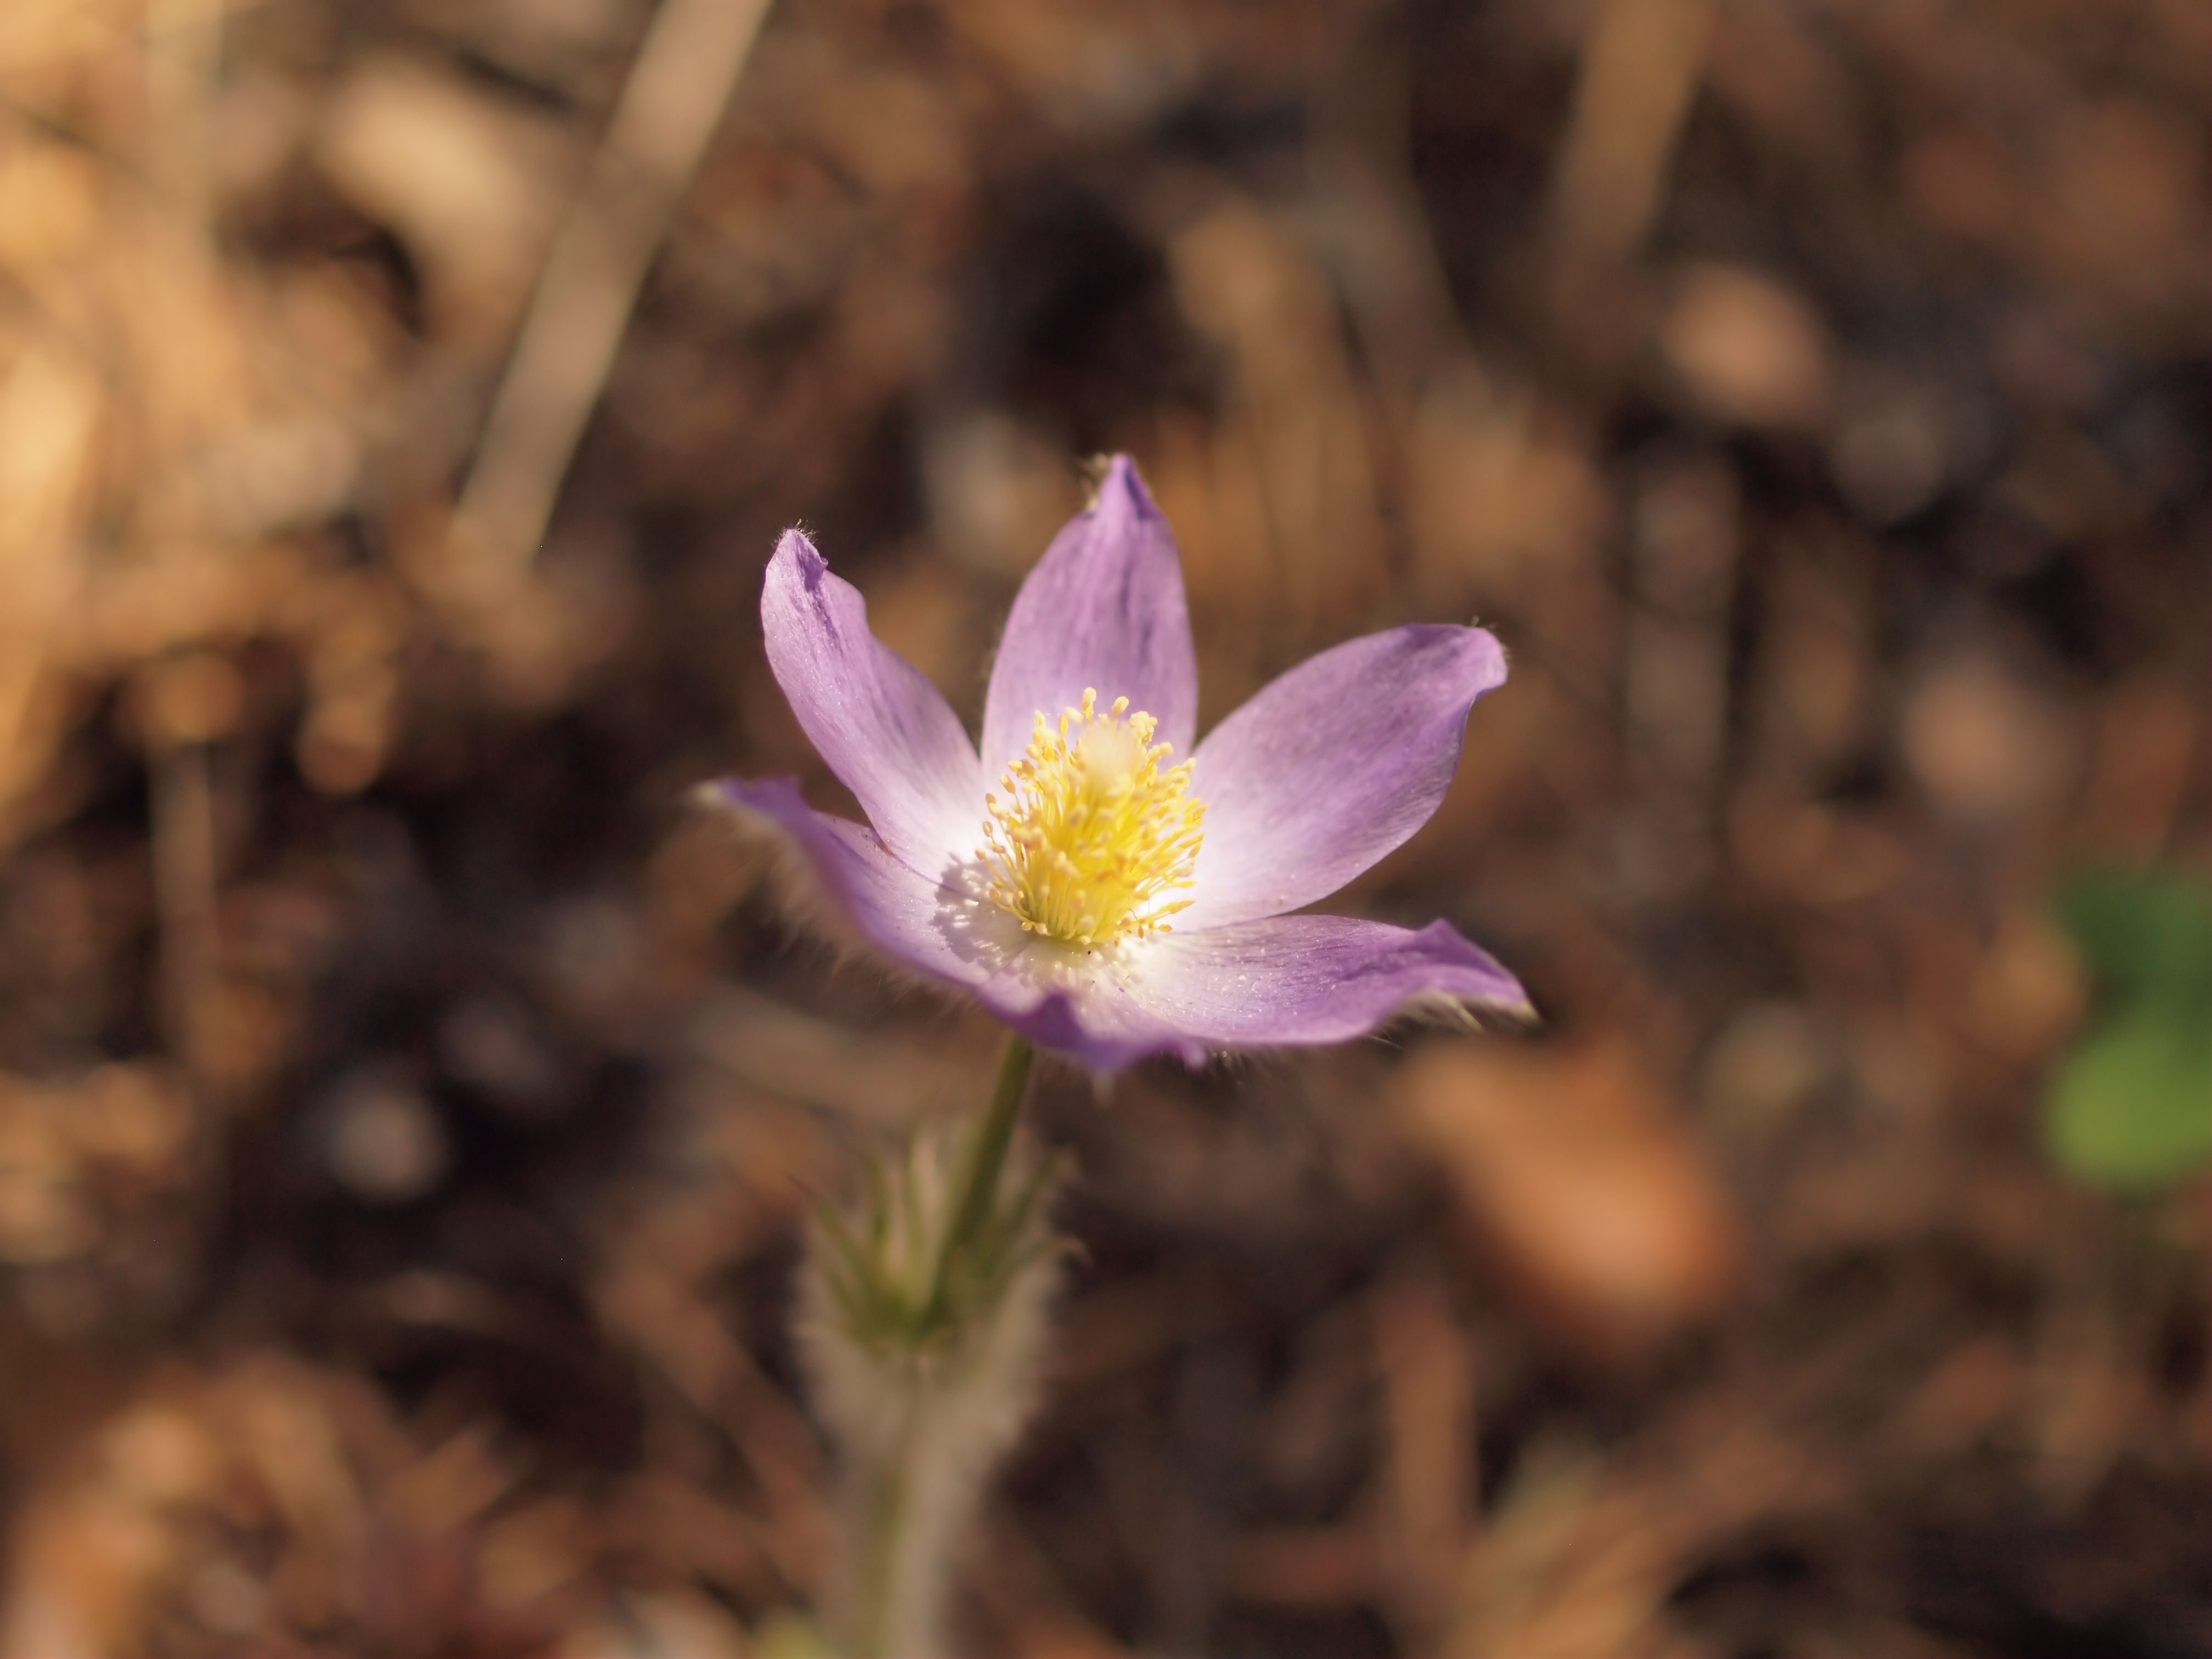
1094	836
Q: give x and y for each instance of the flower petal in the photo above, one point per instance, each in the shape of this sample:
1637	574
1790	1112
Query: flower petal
1283	982
916	921
1331	766
1104	610
1300	980
1076	1003
882	727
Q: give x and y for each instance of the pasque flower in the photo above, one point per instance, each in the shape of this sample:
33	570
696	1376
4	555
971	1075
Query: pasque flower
1103	886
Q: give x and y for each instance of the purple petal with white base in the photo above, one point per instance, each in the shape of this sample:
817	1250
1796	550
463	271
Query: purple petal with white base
1287	981
1291	981
1331	766
914	921
883	728
1103	610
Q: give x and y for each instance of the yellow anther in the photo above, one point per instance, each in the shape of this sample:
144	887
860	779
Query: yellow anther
1093	834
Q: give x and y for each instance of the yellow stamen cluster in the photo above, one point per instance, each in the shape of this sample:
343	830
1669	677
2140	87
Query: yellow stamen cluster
1094	833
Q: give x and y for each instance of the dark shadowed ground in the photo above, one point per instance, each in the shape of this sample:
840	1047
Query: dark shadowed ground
408	1100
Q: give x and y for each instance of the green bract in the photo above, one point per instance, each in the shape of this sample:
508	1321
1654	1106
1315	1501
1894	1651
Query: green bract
887	1270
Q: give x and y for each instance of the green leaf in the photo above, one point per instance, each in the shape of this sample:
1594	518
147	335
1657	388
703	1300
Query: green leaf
2132	1104
2142	933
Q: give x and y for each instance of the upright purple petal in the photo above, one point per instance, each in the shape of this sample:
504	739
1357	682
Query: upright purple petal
1104	609
915	921
881	727
1330	767
1301	980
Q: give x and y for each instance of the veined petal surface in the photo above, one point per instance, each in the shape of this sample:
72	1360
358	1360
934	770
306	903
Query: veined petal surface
1331	766
1102	611
1287	982
881	727
1292	981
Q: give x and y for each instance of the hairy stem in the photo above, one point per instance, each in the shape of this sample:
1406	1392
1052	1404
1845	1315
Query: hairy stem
959	1390
876	1595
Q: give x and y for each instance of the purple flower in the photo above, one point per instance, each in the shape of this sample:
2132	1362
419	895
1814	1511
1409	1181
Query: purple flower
1097	891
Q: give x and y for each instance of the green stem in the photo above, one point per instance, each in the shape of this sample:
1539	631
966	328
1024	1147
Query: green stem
979	1189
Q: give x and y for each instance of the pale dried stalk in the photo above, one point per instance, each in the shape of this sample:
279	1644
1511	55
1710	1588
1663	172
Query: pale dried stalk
183	53
49	413
692	55
184	40
1640	67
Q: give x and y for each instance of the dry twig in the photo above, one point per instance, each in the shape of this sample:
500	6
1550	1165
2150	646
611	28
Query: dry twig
692	55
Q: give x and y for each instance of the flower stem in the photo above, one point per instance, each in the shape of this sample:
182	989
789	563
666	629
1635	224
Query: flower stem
980	1182
910	1491
876	1595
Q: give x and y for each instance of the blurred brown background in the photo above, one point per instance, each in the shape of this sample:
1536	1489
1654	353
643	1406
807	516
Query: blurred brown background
406	1102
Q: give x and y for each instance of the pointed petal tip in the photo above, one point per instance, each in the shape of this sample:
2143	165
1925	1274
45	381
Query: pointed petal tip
795	550
1466	1012
1491	650
1503	1004
1476	656
1122	488
1103	608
